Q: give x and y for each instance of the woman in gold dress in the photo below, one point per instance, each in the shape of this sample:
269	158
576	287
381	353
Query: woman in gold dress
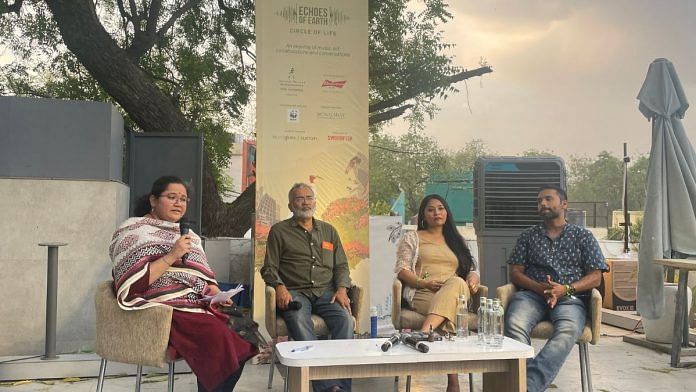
436	267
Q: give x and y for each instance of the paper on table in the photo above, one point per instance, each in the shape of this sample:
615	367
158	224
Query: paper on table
223	296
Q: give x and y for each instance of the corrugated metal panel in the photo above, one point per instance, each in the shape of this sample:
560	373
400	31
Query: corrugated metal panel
506	190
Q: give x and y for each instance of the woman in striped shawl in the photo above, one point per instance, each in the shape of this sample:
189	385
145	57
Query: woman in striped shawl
153	265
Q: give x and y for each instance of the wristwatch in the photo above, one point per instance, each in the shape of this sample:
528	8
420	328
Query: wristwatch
570	290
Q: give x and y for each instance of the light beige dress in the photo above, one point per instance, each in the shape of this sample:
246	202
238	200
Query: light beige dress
438	262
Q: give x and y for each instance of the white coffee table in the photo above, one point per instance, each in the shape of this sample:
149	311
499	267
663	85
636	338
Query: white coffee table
503	369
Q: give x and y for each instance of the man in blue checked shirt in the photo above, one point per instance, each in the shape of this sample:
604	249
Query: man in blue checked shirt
554	265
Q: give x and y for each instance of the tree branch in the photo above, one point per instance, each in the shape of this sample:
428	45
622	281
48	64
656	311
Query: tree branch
388	115
153	17
7	8
145	40
176	15
387	103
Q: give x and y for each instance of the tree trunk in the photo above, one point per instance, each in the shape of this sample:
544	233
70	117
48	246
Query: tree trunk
144	102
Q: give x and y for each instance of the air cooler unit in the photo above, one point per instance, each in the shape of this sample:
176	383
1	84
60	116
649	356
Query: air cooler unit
505	192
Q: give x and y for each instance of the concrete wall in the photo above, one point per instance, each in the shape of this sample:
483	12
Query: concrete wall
50	138
229	258
82	213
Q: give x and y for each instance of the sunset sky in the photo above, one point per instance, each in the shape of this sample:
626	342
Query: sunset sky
566	73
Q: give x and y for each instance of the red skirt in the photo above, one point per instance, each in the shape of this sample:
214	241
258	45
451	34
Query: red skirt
211	349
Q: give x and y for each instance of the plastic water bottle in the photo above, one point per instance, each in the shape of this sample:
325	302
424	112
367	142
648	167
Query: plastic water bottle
462	319
481	321
497	325
488	327
373	322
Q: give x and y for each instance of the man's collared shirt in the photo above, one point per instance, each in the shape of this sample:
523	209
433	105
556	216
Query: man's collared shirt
569	257
307	261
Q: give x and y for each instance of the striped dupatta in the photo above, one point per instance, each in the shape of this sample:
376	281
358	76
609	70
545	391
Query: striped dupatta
140	241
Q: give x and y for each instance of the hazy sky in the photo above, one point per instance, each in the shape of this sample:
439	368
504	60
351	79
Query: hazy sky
565	73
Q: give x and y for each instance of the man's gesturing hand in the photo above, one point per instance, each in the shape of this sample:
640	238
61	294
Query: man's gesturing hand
342	297
553	292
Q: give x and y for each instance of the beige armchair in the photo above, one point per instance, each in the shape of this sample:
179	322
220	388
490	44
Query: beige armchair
116	340
276	325
590	333
405	318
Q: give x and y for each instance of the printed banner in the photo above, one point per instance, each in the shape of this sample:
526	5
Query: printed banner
385	232
312	116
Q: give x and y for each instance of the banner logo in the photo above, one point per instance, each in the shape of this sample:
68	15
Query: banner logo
317	16
293	115
333	83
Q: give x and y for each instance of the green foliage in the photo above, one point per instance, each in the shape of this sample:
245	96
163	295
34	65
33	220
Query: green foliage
601	179
533	152
463	160
407	53
407	162
380	207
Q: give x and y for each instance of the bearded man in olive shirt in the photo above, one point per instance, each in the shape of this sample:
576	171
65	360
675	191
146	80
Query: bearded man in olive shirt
305	263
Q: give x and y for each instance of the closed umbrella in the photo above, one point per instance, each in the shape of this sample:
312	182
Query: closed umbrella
669	223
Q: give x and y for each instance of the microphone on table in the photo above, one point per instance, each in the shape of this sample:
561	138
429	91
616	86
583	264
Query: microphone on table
415	344
393	341
294	305
184	227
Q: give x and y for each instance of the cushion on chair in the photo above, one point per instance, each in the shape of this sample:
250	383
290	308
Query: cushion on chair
136	337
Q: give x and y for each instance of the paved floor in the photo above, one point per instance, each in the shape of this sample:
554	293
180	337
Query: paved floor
616	367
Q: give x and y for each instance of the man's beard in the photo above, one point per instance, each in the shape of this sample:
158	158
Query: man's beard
549	214
299	213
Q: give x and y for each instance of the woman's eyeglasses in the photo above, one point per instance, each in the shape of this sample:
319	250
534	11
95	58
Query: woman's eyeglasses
173	198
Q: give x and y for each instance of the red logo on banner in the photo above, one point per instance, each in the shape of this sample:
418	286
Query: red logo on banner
333	83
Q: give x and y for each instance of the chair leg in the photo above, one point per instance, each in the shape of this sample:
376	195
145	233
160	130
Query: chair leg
102	372
270	371
285	379
471	382
585	376
138	378
170	382
581	355
408	383
396	383
588	370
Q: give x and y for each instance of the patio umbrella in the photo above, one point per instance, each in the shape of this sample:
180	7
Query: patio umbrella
669	223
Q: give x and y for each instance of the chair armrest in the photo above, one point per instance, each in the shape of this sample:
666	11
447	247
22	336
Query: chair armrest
396	303
476	298
271	311
356	294
504	293
595	315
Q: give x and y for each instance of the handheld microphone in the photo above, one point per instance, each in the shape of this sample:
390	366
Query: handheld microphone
294	305
415	344
393	341
184	227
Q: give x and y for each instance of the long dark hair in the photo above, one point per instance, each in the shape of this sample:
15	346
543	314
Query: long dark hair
453	239
142	205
